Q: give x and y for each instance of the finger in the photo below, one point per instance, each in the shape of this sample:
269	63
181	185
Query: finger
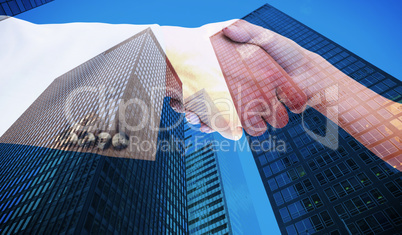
216	114
205	128
286	52
292	96
244	32
277	116
288	92
267	77
252	79
251	118
177	105
237	34
192	118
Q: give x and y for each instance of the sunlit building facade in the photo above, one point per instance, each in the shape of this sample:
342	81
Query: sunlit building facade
83	171
313	188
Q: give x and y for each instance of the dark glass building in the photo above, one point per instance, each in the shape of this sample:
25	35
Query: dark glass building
312	188
15	7
55	177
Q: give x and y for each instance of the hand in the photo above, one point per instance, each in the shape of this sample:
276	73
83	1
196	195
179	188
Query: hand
191	54
207	98
370	118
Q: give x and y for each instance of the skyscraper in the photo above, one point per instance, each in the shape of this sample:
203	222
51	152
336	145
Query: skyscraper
208	212
313	188
15	7
218	197
55	173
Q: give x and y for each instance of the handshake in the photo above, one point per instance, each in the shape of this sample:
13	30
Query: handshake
235	76
250	74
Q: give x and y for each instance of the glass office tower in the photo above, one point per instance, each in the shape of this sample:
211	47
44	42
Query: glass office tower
312	188
207	207
15	7
55	177
219	201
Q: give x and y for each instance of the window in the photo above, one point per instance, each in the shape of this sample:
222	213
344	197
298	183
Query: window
321	179
327	158
374	225
330	194
277	167
312	149
267	171
263	160
339	190
343	168
293	158
365	157
300	171
342	151
378	172
354	145
326	218
352	228
330	176
363	179
284	178
299	188
378	197
316	200
272	184
351	207
340	210
292	175
285	215
308	206
320	161
352	164
304	152
298	142
388	168
355	184
363	226
278	198
313	166
360	205
347	187
334	155
367	201
289	193
396	192
291	230
335	232
315	220
305	227
393	215
308	185
296	210
382	220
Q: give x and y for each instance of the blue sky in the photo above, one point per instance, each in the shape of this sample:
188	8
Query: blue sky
369	28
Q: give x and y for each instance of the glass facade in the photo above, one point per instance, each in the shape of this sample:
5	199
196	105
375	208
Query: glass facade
68	185
15	7
117	93
207	207
312	188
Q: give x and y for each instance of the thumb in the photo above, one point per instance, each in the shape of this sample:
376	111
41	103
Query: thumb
237	33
